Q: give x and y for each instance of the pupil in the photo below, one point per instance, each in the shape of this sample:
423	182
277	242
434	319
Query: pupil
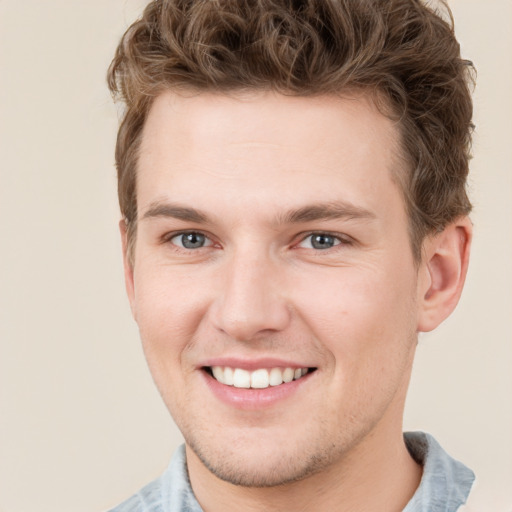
192	240
322	241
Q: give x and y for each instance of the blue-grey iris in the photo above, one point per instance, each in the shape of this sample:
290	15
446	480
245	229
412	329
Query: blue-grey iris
322	241
193	240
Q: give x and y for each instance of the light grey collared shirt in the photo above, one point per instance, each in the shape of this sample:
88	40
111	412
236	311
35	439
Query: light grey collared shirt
444	487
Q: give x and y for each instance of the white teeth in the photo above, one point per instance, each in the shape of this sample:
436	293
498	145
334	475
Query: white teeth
288	374
258	379
228	376
241	378
218	373
275	377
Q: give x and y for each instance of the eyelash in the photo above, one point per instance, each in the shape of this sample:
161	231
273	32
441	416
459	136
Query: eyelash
166	239
340	240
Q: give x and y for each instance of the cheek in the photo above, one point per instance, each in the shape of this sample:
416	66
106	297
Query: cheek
367	326
360	311
168	309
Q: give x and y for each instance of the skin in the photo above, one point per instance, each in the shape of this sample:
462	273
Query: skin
245	172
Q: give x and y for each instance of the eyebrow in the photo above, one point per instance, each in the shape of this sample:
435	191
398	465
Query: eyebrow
176	211
326	211
308	213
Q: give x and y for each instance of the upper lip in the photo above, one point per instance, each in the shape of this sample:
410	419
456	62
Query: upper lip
253	364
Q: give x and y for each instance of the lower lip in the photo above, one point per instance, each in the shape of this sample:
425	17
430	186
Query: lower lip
250	399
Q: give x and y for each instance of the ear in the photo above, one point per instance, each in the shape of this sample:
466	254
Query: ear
128	267
443	272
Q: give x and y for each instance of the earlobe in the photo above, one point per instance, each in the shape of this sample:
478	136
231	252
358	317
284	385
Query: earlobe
444	267
128	267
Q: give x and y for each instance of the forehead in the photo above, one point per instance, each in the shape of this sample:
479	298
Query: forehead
269	148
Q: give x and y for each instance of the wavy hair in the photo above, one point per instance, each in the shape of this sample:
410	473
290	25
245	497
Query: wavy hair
402	52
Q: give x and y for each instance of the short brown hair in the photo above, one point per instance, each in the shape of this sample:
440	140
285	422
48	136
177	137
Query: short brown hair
400	51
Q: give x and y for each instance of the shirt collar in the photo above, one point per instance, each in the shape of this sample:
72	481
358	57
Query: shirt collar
446	482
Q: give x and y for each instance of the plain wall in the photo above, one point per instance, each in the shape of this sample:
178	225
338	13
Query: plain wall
81	425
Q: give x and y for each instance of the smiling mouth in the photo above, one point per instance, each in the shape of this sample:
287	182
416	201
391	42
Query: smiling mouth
257	379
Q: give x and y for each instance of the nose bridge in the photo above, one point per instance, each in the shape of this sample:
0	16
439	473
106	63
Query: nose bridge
251	299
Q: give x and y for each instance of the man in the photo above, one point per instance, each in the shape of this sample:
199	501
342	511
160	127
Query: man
292	184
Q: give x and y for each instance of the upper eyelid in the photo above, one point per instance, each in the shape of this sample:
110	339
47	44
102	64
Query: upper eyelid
342	237
167	238
169	235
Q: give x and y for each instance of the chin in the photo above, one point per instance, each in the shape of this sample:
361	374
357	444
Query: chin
271	472
265	462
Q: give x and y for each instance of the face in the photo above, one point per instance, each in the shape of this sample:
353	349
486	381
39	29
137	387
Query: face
273	280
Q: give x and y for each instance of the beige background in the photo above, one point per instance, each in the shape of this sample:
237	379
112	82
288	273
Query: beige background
81	425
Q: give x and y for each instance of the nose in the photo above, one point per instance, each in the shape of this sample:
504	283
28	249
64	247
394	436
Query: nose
251	300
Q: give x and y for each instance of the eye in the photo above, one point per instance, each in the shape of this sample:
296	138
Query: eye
320	241
191	240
